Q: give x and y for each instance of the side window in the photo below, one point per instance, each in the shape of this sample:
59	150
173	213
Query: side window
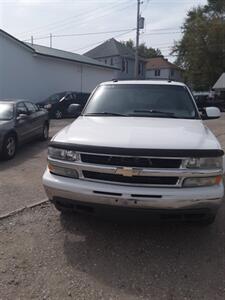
123	65
69	97
30	107
74	96
21	108
157	72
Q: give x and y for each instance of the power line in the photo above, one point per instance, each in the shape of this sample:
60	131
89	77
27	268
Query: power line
78	34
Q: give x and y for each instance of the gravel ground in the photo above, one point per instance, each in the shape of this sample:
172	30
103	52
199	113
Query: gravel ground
46	256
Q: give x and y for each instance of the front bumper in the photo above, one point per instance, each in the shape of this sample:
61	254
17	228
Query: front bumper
96	193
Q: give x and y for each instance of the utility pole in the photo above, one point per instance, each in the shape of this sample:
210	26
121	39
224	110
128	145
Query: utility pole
137	40
50	40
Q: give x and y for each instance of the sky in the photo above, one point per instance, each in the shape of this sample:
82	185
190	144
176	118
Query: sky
90	22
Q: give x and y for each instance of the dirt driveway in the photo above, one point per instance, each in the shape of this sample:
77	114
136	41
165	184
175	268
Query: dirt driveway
45	256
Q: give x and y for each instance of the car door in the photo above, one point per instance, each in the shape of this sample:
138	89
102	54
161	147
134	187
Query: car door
35	119
22	122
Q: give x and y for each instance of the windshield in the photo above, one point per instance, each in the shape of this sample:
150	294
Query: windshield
6	111
142	100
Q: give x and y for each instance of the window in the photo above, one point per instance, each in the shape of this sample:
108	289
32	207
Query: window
126	66
74	96
133	99
123	65
31	108
21	109
140	69
157	72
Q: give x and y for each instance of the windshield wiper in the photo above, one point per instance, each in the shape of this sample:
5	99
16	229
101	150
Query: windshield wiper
153	111
105	114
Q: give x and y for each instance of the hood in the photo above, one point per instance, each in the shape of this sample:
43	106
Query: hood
5	125
138	132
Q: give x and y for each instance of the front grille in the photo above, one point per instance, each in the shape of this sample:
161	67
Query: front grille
131	180
123	161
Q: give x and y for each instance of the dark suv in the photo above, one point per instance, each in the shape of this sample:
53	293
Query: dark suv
57	104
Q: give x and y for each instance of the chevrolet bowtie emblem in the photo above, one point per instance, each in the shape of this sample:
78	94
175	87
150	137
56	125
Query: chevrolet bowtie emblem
129	172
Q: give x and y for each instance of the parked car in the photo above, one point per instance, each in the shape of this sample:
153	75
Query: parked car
57	104
203	100
20	121
138	145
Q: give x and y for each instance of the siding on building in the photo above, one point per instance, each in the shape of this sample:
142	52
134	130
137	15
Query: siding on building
27	75
165	74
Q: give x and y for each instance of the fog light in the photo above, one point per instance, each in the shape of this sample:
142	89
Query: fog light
202	181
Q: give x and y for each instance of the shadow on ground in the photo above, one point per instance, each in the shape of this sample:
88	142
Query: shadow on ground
179	260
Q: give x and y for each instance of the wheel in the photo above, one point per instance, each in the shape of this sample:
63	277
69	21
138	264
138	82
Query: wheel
63	209
45	132
210	219
58	114
9	147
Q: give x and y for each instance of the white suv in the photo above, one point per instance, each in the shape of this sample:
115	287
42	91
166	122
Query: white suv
138	145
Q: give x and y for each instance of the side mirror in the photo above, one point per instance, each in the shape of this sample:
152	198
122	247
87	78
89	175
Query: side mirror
212	113
74	109
22	117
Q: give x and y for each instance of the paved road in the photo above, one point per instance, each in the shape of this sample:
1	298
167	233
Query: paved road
45	256
20	178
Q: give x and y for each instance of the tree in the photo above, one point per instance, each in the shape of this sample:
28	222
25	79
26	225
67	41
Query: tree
144	51
201	51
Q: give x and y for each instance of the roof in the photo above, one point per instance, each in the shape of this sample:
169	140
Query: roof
159	63
220	84
14	100
111	48
150	82
56	53
66	55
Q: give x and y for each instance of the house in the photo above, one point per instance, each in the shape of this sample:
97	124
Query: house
34	72
160	68
219	87
114	53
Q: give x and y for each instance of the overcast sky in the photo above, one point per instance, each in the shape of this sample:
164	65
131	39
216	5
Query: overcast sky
23	18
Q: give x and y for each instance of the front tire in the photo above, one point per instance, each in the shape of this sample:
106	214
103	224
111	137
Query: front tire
45	132
58	114
209	220
9	147
63	209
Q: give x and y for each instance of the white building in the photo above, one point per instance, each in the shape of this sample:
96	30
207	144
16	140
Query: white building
34	72
159	68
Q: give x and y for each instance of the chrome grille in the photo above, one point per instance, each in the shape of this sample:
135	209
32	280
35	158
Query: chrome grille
126	161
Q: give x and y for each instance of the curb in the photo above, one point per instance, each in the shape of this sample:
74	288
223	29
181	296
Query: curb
14	212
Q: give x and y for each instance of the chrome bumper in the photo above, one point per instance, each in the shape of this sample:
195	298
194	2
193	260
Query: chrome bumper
133	197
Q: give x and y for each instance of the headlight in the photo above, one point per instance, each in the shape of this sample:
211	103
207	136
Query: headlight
205	163
202	181
61	171
62	154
